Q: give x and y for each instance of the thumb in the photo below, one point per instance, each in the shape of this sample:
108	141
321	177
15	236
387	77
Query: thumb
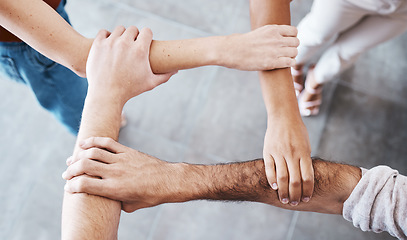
162	78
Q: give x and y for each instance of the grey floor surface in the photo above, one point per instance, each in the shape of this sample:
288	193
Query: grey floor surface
205	115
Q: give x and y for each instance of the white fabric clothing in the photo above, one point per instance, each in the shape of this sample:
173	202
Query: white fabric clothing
379	202
355	26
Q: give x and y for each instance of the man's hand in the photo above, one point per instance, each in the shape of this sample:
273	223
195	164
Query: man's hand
104	167
266	48
118	64
287	159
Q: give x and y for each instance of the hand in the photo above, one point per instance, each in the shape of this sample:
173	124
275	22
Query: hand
106	168
118	64
287	159
266	48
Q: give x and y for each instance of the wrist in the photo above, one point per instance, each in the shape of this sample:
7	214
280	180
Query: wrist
78	63
105	97
217	51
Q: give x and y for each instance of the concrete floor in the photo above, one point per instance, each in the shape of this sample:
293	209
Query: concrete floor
363	121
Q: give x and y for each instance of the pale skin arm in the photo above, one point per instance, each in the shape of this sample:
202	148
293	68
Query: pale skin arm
140	180
113	80
286	152
42	28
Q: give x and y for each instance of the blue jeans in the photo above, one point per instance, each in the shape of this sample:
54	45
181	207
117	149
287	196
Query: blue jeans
57	89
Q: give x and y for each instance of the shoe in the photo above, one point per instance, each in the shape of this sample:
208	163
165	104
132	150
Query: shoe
298	80
311	106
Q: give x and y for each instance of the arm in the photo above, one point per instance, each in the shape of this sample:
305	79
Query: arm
286	149
113	80
140	180
41	27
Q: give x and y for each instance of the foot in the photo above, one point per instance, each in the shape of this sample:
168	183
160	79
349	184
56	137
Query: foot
298	79
310	98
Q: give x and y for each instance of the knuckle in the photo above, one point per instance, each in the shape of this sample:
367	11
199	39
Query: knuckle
93	153
282	177
81	184
308	180
82	164
106	141
296	42
295	184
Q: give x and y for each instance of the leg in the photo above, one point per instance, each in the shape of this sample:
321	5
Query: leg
344	52
357	40
56	88
325	21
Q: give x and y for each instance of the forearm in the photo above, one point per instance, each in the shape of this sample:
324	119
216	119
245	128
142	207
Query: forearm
277	86
247	182
169	56
86	216
41	27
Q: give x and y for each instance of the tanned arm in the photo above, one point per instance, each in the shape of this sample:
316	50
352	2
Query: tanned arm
286	152
113	80
42	28
140	180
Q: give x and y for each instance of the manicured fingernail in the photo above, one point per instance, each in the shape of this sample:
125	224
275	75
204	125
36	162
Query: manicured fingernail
294	203
305	199
274	186
64	175
284	200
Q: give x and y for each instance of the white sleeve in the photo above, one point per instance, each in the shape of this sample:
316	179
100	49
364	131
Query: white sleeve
379	202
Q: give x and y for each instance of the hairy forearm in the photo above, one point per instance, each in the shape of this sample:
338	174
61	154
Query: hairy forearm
247	181
86	216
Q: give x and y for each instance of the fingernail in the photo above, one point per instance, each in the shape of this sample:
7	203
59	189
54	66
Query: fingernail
64	175
284	200
81	143
294	203
306	199
69	160
274	186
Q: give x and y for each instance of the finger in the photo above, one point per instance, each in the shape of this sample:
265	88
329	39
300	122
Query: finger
86	184
163	78
270	171
290	52
144	39
85	166
307	175
285	62
288	31
290	42
102	142
282	179
69	160
102	34
294	188
131	33
97	154
117	32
